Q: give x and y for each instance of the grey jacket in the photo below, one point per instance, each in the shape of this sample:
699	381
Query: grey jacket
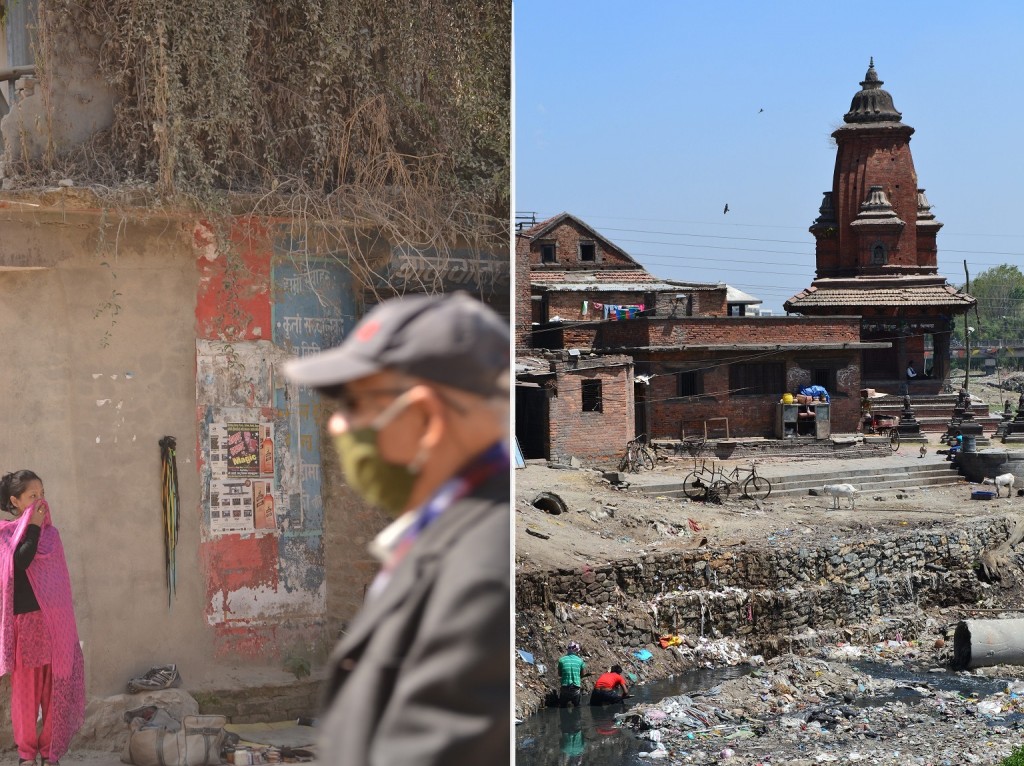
422	677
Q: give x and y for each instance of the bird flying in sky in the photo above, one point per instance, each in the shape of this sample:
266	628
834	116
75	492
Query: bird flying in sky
726	208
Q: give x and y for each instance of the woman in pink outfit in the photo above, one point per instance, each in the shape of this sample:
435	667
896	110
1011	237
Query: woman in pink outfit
38	636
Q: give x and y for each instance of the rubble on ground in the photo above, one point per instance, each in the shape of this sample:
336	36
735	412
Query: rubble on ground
802	711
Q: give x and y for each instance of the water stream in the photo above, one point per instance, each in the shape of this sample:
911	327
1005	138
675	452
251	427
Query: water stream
555	737
573	737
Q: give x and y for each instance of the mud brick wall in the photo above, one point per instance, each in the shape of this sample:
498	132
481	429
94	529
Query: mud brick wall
523	309
703	331
592	436
566	238
762	595
673	416
584	330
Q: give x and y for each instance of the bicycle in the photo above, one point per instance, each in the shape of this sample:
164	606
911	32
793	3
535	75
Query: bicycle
638	455
699	480
751	485
883	426
694	445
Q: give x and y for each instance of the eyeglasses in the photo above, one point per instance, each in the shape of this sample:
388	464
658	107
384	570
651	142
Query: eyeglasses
347	402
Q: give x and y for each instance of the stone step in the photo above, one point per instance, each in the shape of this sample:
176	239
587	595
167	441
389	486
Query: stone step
897	477
874	485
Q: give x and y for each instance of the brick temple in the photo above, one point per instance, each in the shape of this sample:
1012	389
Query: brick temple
876	250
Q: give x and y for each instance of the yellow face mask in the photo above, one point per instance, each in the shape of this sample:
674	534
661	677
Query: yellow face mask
378	481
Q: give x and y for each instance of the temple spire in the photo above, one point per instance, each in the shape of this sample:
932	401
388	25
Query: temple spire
872	103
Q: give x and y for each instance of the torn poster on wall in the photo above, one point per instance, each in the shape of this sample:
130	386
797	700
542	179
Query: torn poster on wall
242	483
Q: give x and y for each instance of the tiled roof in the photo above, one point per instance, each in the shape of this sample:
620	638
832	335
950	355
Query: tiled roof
612	279
545	277
890	295
550	224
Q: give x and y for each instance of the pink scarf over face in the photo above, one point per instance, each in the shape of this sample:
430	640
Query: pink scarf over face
48	574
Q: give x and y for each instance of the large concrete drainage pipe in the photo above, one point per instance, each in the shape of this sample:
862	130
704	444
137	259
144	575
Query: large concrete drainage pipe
982	643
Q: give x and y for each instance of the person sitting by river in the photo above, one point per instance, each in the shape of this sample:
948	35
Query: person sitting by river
609	688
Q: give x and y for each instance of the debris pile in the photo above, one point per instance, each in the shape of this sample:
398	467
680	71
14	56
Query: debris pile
805	712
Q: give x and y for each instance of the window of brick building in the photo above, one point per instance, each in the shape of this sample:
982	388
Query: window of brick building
547	253
879	255
824	377
588	251
592	399
757	379
691	383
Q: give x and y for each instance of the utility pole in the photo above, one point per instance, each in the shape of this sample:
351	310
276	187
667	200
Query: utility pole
967	335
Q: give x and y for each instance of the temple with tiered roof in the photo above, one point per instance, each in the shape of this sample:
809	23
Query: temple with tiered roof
876	251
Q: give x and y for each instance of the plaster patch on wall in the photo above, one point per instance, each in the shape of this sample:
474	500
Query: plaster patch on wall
204	241
846	378
262	604
236	374
302	564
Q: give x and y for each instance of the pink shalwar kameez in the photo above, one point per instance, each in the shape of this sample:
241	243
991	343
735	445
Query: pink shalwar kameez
40	649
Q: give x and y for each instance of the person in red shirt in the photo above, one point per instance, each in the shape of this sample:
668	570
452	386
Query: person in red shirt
609	688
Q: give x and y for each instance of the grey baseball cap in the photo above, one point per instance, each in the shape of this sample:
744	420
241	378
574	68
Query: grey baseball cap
450	339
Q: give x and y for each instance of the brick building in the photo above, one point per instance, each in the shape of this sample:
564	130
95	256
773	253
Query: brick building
694	357
876	248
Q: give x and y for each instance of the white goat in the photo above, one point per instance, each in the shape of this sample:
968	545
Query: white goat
1002	480
841	490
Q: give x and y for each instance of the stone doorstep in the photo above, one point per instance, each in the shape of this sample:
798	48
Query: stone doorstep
266	703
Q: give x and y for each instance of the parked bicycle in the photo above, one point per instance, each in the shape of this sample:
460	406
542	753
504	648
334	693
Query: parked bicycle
697	482
744	480
638	455
709	482
694	445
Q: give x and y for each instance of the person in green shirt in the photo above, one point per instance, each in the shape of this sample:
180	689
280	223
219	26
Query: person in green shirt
570	671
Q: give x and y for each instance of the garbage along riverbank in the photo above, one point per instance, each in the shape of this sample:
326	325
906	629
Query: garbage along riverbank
660	585
884	705
554	735
804	711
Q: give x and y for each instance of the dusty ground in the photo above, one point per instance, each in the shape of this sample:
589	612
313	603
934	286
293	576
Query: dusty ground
606	524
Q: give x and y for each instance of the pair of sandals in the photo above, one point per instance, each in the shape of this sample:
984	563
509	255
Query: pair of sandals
26	762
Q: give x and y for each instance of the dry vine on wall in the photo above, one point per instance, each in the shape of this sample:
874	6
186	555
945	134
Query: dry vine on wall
391	119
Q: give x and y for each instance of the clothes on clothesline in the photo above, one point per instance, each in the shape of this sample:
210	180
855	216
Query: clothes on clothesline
614	312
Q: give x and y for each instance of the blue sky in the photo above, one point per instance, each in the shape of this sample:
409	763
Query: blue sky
644	120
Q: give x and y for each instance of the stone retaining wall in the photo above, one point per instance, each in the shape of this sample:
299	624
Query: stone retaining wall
768	599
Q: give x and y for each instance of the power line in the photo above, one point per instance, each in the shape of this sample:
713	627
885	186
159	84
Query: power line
586	217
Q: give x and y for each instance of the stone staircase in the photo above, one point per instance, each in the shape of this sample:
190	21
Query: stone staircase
934	411
865	478
869	479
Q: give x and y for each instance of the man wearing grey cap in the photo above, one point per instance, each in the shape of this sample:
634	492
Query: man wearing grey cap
419	398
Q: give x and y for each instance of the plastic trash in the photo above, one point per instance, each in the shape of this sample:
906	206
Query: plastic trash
526	656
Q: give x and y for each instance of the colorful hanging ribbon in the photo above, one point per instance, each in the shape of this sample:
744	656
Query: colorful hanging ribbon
171	516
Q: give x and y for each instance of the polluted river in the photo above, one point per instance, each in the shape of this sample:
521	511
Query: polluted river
793	710
785	631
